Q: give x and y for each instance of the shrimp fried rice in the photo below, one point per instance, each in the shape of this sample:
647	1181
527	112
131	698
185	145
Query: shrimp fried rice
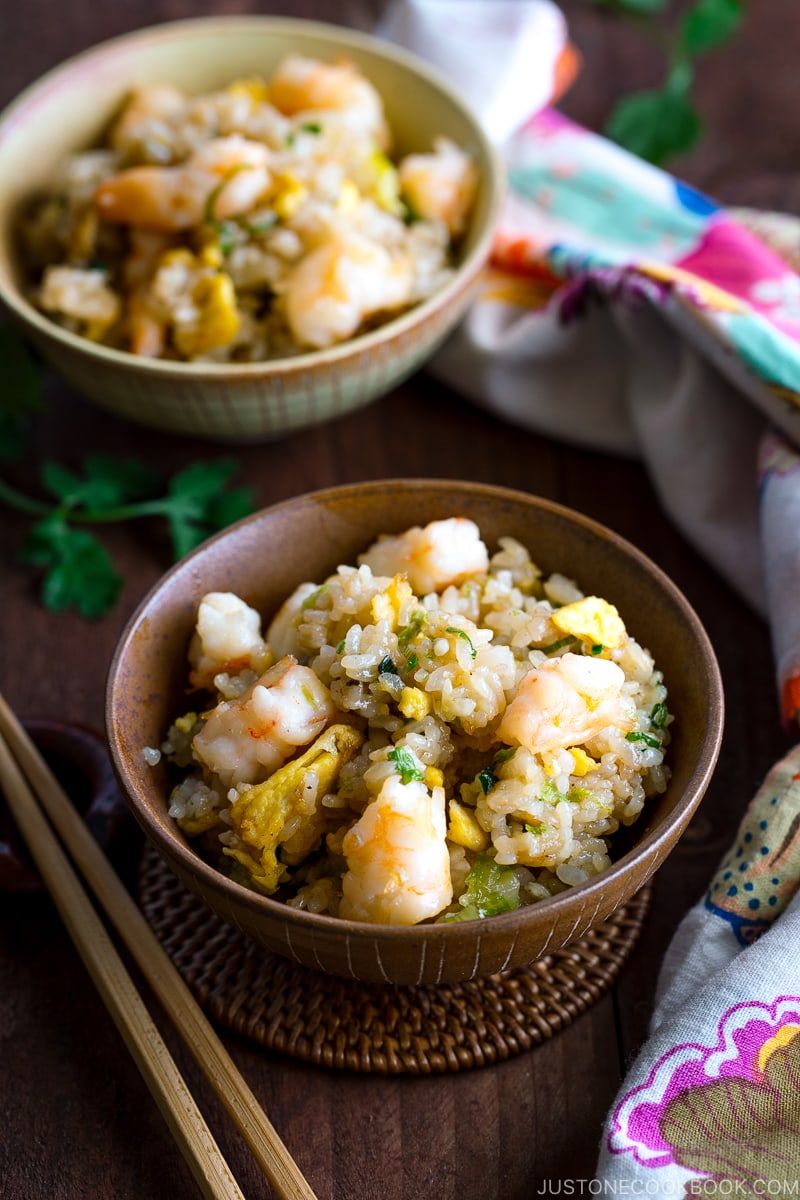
264	220
431	733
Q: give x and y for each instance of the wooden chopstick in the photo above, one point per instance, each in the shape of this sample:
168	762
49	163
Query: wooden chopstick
242	1106
117	989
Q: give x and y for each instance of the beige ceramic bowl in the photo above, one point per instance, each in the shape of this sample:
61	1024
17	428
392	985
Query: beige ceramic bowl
263	558
70	108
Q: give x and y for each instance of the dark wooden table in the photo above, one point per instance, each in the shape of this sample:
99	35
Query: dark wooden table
77	1120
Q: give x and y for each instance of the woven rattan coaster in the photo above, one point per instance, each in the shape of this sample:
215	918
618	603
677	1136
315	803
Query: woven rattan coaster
353	1026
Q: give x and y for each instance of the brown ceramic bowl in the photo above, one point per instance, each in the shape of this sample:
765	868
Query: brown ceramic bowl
263	558
70	108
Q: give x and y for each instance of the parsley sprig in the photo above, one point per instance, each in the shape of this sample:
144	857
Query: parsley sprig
77	571
660	123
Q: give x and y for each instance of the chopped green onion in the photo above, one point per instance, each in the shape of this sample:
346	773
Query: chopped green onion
387	667
487	779
598	648
658	717
577	795
490	889
227	236
405	765
462	634
310	601
340	647
412	628
550	793
413	661
638	736
559	645
254	228
537	828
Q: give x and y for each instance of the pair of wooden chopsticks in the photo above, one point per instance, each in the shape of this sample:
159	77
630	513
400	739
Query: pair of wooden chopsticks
26	778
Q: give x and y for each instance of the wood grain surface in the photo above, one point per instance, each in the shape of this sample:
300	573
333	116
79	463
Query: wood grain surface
77	1120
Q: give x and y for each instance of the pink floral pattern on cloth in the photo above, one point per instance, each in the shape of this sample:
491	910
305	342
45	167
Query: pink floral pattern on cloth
715	1093
578	204
728	1110
779	482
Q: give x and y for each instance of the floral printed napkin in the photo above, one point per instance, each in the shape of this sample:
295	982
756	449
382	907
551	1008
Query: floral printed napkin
712	1104
628	313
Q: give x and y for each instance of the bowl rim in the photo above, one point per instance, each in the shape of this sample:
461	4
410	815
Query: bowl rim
645	851
344	36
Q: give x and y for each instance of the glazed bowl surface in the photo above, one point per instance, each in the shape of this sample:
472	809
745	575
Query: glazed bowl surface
70	108
263	558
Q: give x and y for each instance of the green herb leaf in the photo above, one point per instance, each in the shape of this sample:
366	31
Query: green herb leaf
537	827
228	507
106	483
193	502
658	124
60	482
710	23
405	764
79	572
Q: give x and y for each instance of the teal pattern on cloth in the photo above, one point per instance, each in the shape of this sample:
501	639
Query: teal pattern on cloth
761	872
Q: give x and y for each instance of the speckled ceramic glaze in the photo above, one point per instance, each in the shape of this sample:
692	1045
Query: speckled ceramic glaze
69	109
263	558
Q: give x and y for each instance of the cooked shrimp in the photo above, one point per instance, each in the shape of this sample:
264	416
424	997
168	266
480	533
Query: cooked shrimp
443	553
146	325
141	125
306	85
225	177
248	738
566	701
398	864
227	638
338	285
440	186
282	632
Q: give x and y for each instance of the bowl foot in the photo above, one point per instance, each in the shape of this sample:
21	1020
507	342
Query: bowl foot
377	1028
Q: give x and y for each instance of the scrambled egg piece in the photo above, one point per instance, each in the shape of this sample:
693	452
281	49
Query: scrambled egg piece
583	762
463	828
279	812
391	603
592	620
